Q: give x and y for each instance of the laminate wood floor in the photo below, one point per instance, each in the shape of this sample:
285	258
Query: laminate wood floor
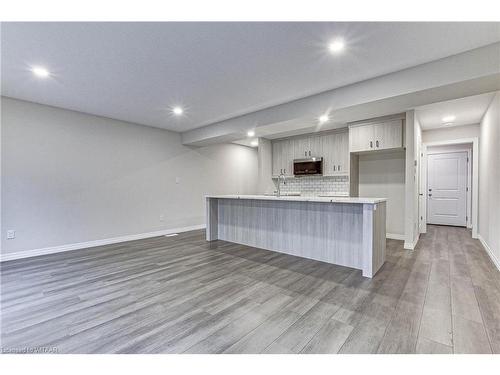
184	295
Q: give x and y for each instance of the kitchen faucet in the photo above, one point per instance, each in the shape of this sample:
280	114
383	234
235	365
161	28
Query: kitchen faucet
281	176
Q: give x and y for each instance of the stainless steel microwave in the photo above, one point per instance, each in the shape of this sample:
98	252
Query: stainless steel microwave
308	167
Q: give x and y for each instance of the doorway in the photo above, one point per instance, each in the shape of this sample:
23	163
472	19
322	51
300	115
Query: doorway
469	145
447	187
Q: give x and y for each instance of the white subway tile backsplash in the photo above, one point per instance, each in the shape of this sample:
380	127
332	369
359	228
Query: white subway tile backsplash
316	185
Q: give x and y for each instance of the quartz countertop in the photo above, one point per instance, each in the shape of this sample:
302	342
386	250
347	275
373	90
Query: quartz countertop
332	199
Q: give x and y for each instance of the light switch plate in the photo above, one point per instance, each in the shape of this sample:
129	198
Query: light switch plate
11	234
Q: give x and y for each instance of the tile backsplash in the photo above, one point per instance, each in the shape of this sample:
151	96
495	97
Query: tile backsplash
315	185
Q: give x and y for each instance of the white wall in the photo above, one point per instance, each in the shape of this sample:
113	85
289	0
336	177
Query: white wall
69	177
382	175
417	211
412	172
450	133
489	179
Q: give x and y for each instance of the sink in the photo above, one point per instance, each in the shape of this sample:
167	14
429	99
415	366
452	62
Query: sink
333	195
283	194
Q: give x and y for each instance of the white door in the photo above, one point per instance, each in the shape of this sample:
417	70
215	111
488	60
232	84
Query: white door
446	190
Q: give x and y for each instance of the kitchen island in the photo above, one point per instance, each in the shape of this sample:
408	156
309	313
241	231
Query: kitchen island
340	230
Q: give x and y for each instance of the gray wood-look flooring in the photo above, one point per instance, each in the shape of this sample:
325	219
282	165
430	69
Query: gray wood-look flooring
185	295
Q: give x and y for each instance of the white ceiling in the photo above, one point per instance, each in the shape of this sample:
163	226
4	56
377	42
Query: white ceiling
468	110
137	71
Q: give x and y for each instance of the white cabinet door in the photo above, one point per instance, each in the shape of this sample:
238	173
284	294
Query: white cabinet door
283	157
335	154
329	153
361	138
388	135
277	146
342	147
301	148
287	157
315	146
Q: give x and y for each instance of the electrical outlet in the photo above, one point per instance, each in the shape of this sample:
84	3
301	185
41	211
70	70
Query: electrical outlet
162	217
11	234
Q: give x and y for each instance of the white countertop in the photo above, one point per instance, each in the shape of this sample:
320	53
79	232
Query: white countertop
303	199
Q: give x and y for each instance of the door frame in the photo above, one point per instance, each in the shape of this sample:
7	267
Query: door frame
459	149
474	176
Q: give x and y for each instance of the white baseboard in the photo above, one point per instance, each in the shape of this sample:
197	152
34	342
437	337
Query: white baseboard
411	246
84	245
489	251
394	236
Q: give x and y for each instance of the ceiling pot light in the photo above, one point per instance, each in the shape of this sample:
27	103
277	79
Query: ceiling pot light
40	72
254	143
323	119
251	133
177	111
448	119
336	46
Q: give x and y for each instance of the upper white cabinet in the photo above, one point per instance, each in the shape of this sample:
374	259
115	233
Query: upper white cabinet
308	146
376	136
283	157
333	147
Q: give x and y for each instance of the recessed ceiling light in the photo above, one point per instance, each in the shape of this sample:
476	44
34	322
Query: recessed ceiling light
323	119
254	143
251	133
448	118
177	111
40	72
336	45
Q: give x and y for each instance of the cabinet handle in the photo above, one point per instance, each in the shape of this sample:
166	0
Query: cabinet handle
281	170
309	153
305	153
371	144
376	143
284	171
339	168
334	168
